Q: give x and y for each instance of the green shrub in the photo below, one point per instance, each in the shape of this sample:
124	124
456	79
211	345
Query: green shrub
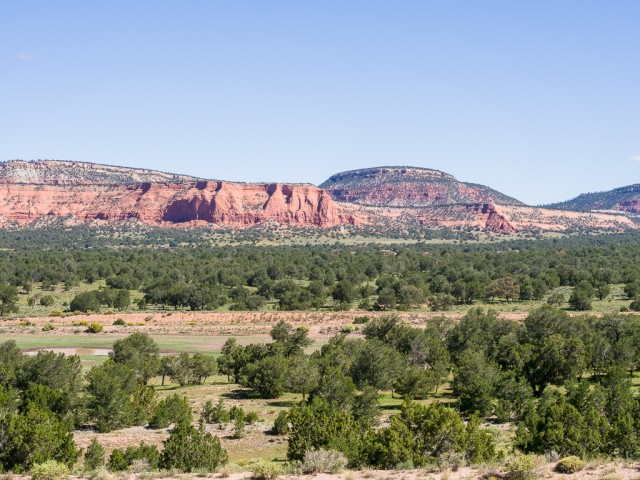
323	461
49	470
635	305
235	412
570	464
94	456
281	423
85	302
361	320
120	322
94	328
189	448
238	425
56	313
119	460
251	418
47	301
215	414
48	327
266	471
173	409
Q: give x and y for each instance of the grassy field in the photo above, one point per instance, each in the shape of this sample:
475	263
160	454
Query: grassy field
167	343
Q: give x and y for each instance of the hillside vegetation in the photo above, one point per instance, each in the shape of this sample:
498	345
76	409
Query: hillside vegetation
624	199
409	187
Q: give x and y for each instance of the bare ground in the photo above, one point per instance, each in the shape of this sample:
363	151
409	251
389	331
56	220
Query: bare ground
602	471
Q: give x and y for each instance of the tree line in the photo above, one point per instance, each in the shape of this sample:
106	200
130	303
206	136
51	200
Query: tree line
302	278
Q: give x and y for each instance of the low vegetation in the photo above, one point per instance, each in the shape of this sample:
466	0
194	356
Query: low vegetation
564	384
477	389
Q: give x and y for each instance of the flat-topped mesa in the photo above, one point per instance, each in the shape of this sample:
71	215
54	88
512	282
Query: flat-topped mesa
387	174
64	172
409	187
168	203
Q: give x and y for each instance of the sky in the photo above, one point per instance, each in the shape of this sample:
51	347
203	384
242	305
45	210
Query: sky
537	99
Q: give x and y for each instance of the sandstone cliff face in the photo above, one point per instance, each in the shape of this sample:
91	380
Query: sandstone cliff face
171	203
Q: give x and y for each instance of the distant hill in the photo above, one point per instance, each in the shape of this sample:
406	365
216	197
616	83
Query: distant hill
41	193
62	172
623	199
409	187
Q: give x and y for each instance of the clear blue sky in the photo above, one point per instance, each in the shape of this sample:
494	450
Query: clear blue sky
539	99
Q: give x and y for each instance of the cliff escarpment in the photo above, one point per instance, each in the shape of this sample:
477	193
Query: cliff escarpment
211	202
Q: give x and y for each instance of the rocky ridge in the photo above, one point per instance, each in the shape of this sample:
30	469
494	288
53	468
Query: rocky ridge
45	193
64	172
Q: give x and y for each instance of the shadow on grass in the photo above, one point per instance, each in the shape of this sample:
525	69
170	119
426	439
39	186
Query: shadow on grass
283	403
391	407
241	394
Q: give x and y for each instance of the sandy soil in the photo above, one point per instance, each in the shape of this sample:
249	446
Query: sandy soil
607	471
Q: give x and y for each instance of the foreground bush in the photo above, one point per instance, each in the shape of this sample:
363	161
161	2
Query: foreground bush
189	448
521	467
570	464
423	434
266	471
420	434
123	460
49	470
36	437
324	461
94	456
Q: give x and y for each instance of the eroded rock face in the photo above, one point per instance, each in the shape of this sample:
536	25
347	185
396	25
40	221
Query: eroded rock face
213	202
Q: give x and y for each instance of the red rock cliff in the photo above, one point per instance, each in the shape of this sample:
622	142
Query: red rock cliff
212	202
